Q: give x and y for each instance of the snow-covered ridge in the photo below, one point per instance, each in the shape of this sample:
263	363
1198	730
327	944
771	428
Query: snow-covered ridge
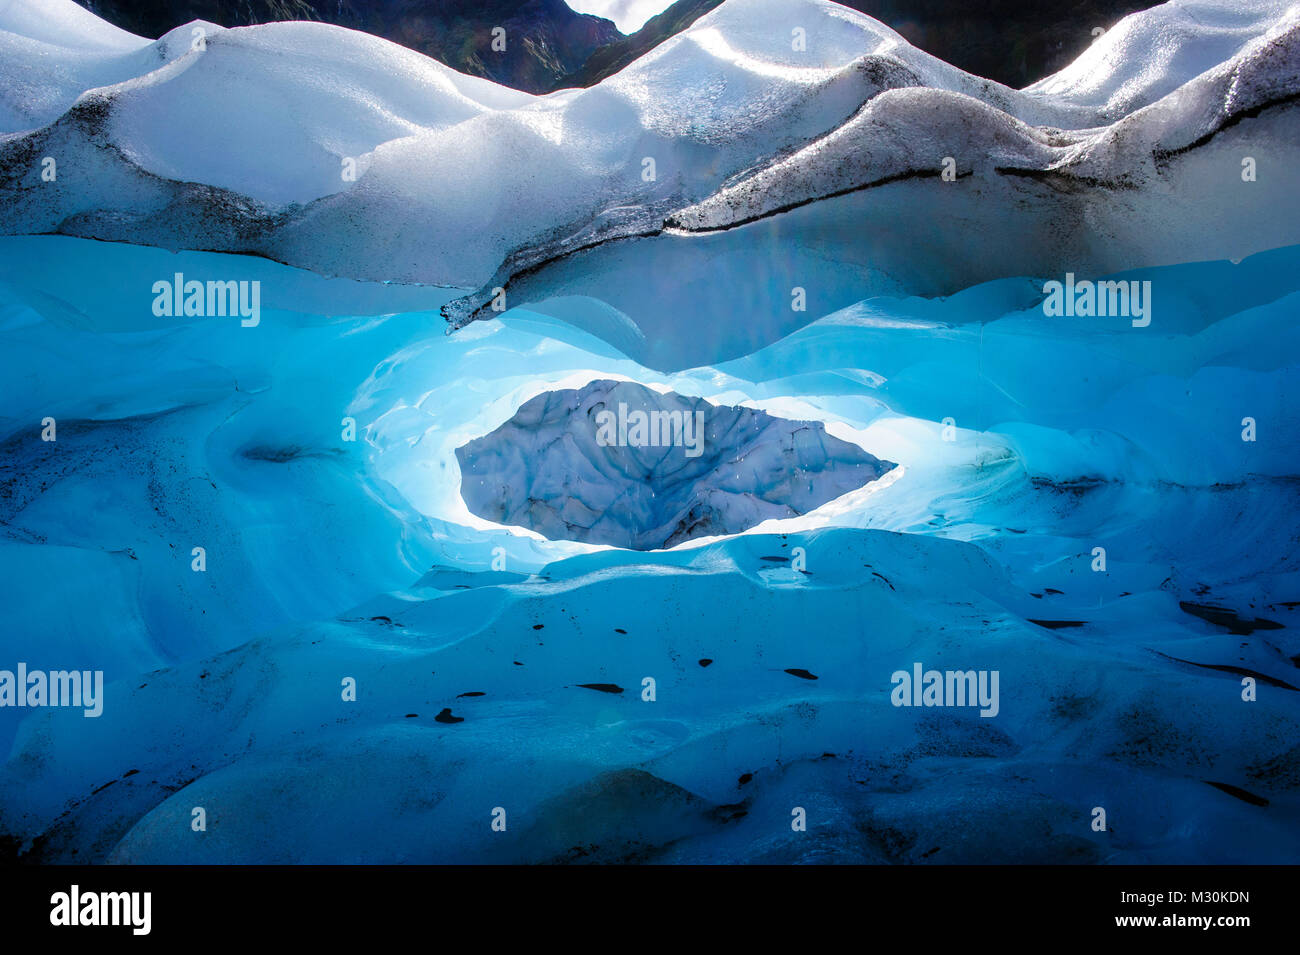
342	153
1145	57
899	133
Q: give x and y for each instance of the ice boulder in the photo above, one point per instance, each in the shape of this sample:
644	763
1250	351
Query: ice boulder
617	463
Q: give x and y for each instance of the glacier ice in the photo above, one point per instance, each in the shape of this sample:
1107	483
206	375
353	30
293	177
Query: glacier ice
331	558
616	463
1105	515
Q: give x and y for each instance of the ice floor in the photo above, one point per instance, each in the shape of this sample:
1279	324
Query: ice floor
502	710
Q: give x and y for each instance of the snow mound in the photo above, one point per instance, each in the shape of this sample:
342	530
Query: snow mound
890	201
617	463
270	112
389	166
896	136
1148	55
51	51
319	94
66	25
794	146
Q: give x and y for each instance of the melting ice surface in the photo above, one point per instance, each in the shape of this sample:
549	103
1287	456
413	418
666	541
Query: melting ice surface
328	558
617	463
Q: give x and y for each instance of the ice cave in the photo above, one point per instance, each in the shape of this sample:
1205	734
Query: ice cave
375	554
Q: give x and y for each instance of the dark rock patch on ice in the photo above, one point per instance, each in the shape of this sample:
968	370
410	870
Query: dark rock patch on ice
602	687
1230	619
1238	792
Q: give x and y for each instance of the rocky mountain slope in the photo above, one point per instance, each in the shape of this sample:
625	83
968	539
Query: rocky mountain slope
545	41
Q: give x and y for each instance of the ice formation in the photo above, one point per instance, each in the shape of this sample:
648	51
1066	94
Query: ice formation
395	168
232	522
616	463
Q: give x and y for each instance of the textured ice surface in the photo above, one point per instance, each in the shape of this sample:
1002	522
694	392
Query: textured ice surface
1142	58
330	559
53	52
617	463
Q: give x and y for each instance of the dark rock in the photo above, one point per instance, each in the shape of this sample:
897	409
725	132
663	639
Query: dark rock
602	687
